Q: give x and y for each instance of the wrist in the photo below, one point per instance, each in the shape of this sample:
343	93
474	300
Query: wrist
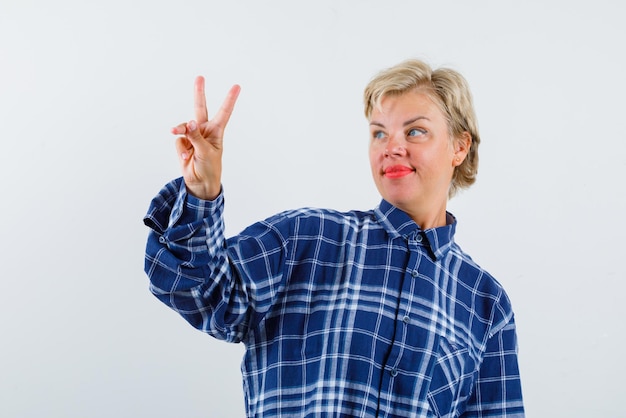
203	191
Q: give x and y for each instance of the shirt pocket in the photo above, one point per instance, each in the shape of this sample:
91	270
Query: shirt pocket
452	379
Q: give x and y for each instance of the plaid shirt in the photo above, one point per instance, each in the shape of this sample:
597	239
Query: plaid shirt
357	314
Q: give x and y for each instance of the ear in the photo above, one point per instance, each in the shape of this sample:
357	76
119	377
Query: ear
462	146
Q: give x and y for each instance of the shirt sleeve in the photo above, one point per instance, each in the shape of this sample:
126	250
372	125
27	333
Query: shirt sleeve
497	391
193	270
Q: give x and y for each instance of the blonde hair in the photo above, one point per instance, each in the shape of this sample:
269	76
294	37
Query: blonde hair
449	90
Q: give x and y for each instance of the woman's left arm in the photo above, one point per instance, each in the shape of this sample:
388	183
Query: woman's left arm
497	390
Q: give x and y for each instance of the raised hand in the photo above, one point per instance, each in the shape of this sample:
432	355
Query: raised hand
200	145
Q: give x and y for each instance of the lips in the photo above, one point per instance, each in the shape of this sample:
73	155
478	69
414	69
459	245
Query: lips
397	171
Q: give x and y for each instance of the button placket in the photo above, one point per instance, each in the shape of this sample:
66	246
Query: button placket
403	318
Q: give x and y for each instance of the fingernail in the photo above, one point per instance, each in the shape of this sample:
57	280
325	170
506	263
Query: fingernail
192	126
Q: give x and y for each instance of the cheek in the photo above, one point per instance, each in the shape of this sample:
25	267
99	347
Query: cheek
443	153
374	156
374	167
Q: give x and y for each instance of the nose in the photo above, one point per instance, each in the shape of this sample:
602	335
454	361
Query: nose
395	147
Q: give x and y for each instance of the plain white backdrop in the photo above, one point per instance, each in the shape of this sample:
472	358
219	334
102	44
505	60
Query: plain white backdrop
89	91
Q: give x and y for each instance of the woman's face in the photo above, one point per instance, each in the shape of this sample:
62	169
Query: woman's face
412	156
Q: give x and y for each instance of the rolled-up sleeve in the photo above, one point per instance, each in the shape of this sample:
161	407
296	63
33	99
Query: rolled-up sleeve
186	259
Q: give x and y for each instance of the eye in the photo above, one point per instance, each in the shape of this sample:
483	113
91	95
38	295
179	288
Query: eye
415	132
378	135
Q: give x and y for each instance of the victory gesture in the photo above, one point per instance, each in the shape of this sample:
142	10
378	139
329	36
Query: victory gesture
200	146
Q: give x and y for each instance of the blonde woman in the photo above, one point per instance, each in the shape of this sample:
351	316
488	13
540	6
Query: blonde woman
374	313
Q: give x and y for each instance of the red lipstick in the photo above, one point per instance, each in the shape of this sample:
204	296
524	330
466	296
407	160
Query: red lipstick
397	171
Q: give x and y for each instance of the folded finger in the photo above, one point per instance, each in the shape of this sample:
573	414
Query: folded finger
184	148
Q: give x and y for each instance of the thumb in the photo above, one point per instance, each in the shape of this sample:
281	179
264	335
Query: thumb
193	134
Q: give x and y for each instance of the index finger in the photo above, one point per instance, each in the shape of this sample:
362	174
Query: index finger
202	115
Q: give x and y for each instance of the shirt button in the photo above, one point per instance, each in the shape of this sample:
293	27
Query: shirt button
162	239
393	372
418	238
406	319
414	273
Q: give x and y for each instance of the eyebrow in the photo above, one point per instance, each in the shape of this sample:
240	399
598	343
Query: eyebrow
408	122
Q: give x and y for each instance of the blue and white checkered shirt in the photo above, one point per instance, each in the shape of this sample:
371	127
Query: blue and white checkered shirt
357	314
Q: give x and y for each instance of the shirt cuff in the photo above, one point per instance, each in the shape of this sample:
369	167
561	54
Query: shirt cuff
174	206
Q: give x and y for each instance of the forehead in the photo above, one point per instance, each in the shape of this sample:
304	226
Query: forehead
417	102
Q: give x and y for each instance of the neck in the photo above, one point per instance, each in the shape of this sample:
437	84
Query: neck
430	222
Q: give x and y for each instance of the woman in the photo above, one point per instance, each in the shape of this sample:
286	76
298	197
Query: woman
375	313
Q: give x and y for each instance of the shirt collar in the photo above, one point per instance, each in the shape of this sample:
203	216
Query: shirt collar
398	224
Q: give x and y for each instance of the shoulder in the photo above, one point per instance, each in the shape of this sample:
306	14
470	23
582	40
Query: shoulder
313	222
321	217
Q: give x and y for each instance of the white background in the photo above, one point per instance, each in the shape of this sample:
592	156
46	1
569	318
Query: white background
89	91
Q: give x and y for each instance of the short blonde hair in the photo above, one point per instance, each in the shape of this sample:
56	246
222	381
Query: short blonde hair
449	90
